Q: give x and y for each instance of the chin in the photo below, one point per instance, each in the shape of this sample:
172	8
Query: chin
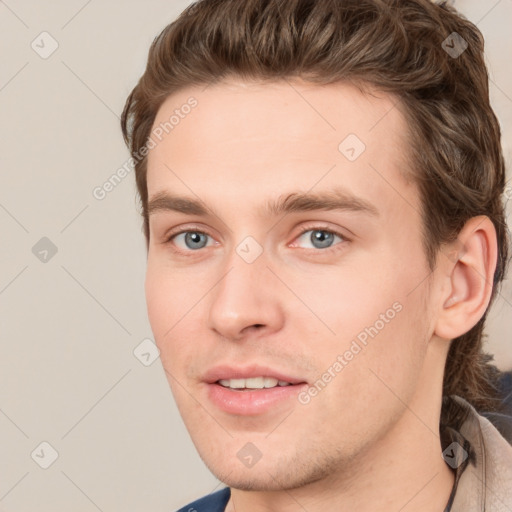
276	474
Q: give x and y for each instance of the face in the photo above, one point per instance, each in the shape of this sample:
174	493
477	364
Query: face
257	285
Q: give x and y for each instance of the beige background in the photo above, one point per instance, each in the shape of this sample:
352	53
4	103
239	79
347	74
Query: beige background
69	326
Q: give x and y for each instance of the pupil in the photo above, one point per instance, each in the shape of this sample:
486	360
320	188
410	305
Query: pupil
323	237
194	238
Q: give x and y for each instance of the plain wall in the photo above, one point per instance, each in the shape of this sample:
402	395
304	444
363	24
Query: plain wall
69	325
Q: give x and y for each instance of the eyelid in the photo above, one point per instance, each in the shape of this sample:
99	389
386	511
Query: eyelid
322	227
192	228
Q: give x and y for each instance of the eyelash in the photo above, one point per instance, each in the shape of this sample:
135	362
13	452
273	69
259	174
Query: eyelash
325	229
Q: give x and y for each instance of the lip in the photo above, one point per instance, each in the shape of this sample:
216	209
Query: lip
254	402
231	372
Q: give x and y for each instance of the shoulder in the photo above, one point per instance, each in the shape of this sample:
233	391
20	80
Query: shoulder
485	483
215	502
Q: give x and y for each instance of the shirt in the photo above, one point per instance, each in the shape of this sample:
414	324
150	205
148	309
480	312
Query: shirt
479	454
215	502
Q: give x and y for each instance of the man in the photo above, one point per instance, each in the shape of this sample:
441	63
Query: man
321	185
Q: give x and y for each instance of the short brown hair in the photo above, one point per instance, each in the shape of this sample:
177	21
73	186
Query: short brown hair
399	47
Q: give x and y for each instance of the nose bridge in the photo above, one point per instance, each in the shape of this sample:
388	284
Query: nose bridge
244	296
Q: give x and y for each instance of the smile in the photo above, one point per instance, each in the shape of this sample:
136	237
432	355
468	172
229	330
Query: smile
253	383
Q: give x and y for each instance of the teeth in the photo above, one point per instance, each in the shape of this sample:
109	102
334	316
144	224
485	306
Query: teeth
253	383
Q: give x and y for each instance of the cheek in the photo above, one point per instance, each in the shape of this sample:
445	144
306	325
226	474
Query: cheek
173	307
158	309
372	378
168	294
380	327
165	304
345	302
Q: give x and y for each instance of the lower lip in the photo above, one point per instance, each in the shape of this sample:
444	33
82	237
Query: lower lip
257	401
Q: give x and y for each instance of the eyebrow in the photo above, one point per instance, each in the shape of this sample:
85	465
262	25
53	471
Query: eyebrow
335	199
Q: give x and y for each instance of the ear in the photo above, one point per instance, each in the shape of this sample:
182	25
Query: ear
470	262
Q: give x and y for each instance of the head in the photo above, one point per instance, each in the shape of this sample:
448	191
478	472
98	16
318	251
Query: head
354	101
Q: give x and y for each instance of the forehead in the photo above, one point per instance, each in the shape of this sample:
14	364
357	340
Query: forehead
258	139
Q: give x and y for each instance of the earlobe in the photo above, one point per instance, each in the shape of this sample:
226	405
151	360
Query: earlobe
470	278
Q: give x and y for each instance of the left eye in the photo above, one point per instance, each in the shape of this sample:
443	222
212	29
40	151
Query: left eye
320	238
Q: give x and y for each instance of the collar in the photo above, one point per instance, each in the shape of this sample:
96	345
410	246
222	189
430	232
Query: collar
482	460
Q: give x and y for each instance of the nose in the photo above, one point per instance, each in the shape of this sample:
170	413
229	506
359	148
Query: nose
247	300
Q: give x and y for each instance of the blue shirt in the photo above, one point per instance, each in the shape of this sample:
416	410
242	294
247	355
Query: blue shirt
215	502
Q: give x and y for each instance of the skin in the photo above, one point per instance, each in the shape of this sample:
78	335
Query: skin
370	439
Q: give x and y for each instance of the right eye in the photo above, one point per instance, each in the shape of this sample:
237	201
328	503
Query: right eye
191	240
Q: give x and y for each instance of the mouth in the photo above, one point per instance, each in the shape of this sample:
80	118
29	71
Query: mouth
251	391
252	383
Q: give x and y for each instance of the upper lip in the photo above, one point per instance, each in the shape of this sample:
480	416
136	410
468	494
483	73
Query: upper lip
226	372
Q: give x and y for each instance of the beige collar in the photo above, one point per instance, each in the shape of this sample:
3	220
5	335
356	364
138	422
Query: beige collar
485	480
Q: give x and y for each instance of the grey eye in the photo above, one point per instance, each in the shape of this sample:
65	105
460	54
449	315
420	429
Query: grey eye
193	239
319	238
